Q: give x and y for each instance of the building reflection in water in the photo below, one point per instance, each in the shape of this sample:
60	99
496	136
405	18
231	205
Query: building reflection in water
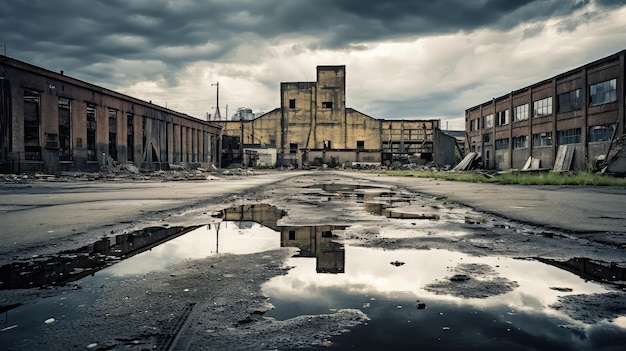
313	241
69	266
591	269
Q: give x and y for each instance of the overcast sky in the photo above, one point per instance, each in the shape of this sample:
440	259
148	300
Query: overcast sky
403	58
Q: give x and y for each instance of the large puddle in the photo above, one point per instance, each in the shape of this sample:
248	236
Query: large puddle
415	299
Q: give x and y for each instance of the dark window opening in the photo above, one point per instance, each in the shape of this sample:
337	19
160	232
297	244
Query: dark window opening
292	235
91	133
474	124
569	101
113	134
502	118
603	92
519	142
360	145
601	133
568	136
502	144
32	140
327	144
130	136
65	128
327	234
293	148
327	104
52	141
292	103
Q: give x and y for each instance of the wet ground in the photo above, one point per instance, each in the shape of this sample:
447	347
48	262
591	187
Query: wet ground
318	260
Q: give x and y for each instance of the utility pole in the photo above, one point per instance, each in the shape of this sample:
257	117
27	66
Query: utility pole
218	116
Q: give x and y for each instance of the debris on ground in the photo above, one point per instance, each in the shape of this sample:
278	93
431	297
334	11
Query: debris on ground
129	172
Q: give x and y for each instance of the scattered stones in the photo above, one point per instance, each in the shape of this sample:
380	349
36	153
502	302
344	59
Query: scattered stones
459	278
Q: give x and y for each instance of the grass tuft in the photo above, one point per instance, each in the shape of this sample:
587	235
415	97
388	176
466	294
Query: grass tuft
518	178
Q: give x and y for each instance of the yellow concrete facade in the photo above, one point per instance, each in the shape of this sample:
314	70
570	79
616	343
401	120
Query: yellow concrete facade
313	126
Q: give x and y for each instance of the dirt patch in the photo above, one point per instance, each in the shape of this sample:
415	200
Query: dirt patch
471	280
593	308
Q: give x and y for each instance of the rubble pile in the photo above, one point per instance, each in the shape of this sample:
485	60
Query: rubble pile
126	172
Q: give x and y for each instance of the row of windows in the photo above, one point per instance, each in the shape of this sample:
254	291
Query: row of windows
62	141
599	93
567	136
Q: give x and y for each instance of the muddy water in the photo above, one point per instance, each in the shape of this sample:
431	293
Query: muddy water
414	298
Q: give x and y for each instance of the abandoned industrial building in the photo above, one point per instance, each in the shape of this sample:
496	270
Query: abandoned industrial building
50	122
313	127
573	121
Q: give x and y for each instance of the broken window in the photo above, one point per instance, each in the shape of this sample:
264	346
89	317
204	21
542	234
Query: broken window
327	104
502	144
542	107
32	141
326	144
486	138
52	141
542	139
293	148
519	142
130	136
488	121
520	113
113	134
601	133
360	145
292	103
569	101
65	129
568	136
603	92
474	124
91	133
502	118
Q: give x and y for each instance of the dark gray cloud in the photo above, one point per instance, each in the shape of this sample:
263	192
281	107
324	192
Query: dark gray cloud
83	37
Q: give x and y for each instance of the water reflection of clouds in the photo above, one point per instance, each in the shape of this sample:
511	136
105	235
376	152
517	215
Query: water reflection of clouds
369	272
234	237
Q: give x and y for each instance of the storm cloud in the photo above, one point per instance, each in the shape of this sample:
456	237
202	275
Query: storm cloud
159	48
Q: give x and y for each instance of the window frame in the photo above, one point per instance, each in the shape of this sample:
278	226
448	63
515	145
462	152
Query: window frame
520	113
569	136
487	121
607	135
543	139
542	107
520	142
609	95
502	144
571	104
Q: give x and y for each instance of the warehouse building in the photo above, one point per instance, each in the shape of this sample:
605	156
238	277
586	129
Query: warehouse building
573	121
50	122
313	127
